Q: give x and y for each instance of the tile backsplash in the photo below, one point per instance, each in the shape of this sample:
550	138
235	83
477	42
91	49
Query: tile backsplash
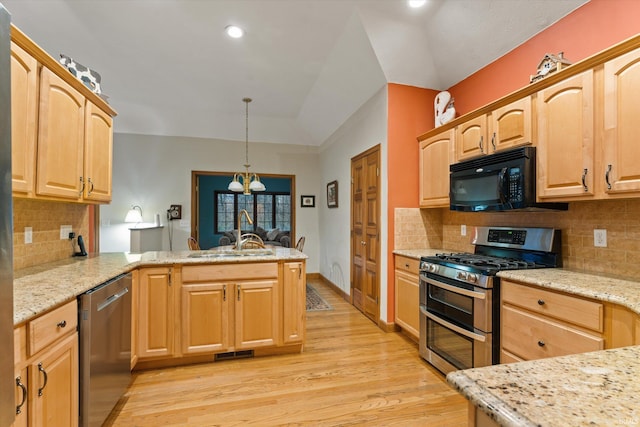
620	218
45	219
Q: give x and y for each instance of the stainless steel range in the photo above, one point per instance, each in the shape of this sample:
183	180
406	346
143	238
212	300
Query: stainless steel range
460	293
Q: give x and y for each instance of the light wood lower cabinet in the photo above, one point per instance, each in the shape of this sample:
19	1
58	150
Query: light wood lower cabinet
195	310
407	295
294	307
156	312
537	323
46	367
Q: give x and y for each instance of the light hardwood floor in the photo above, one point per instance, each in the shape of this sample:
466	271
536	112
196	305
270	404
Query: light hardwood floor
350	373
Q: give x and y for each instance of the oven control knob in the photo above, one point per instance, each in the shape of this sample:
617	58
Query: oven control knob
461	275
472	277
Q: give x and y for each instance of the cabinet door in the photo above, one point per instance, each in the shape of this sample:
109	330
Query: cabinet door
205	317
621	125
436	154
511	125
60	139
256	315
566	134
24	80
156	313
98	150
293	303
408	303
471	138
54	385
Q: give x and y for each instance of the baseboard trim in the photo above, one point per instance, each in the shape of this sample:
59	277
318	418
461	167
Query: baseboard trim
345	296
387	327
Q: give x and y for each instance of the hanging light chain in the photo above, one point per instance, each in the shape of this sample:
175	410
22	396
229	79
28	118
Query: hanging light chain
246	145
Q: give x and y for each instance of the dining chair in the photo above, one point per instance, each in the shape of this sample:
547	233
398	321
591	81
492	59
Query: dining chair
193	244
300	243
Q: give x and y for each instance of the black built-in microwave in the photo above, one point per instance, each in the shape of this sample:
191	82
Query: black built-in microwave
497	182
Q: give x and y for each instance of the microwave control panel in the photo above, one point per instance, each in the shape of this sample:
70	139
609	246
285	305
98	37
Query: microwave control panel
515	185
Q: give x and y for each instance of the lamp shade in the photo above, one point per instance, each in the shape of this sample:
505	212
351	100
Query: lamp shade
256	185
235	185
134	214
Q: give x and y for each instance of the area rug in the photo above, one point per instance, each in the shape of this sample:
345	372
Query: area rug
315	302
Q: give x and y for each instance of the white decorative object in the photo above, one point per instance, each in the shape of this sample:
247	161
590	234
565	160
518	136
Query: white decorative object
87	76
444	109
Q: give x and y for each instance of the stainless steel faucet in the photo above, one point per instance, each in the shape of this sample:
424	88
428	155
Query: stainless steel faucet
238	239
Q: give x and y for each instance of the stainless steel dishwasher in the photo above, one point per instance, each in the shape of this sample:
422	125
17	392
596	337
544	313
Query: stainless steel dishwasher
105	348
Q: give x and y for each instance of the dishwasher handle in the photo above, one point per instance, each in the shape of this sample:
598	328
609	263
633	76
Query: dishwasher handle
111	299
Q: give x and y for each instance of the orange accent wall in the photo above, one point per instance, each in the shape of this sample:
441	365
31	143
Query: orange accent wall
410	113
586	31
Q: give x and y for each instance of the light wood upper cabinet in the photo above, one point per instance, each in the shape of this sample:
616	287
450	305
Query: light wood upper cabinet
24	109
471	138
436	154
62	133
566	165
98	149
511	126
60	139
621	151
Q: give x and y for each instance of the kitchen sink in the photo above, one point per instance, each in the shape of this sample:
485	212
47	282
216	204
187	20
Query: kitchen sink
228	253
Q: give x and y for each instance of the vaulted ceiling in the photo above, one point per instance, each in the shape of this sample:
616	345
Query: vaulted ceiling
169	69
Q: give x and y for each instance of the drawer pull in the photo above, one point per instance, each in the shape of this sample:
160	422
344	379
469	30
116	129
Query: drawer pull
24	395
46	378
541	343
540	302
61	324
406	266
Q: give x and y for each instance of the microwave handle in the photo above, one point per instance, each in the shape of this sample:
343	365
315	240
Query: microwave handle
501	178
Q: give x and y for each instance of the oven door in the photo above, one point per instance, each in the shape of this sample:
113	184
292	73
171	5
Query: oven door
455	324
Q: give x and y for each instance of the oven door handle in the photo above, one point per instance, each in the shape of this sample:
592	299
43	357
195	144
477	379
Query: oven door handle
455	328
455	289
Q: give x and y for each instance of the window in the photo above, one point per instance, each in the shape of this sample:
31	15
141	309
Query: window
267	210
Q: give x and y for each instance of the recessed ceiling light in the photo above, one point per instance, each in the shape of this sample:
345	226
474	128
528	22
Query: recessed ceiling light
234	31
417	3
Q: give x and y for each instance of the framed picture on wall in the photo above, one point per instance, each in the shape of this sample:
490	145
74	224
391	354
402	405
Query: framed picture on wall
308	201
332	194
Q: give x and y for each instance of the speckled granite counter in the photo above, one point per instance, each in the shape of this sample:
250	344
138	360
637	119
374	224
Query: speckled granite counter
589	389
39	289
417	253
623	292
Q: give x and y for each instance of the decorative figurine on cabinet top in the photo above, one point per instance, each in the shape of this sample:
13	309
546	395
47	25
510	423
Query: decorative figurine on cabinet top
444	109
87	76
548	65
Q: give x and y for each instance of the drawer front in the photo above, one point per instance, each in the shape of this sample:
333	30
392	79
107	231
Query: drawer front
51	326
410	265
533	337
226	272
580	312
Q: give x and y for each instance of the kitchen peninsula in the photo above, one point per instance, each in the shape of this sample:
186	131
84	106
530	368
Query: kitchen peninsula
593	388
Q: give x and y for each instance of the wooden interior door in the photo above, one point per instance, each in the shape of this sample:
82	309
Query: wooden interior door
365	233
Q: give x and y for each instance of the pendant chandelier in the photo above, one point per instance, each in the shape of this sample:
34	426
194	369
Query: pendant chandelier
250	181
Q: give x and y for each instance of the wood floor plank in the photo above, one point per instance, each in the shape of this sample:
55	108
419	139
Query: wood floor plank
350	373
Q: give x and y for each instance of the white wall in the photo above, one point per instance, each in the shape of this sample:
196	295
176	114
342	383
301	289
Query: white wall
363	130
155	172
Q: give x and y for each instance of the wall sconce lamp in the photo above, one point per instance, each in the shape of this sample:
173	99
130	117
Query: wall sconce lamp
134	214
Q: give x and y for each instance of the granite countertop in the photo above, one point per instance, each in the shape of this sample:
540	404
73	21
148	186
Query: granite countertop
41	288
595	389
619	291
590	389
418	253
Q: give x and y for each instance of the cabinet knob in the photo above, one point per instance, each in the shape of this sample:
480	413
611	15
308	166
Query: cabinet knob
61	324
541	343
540	302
